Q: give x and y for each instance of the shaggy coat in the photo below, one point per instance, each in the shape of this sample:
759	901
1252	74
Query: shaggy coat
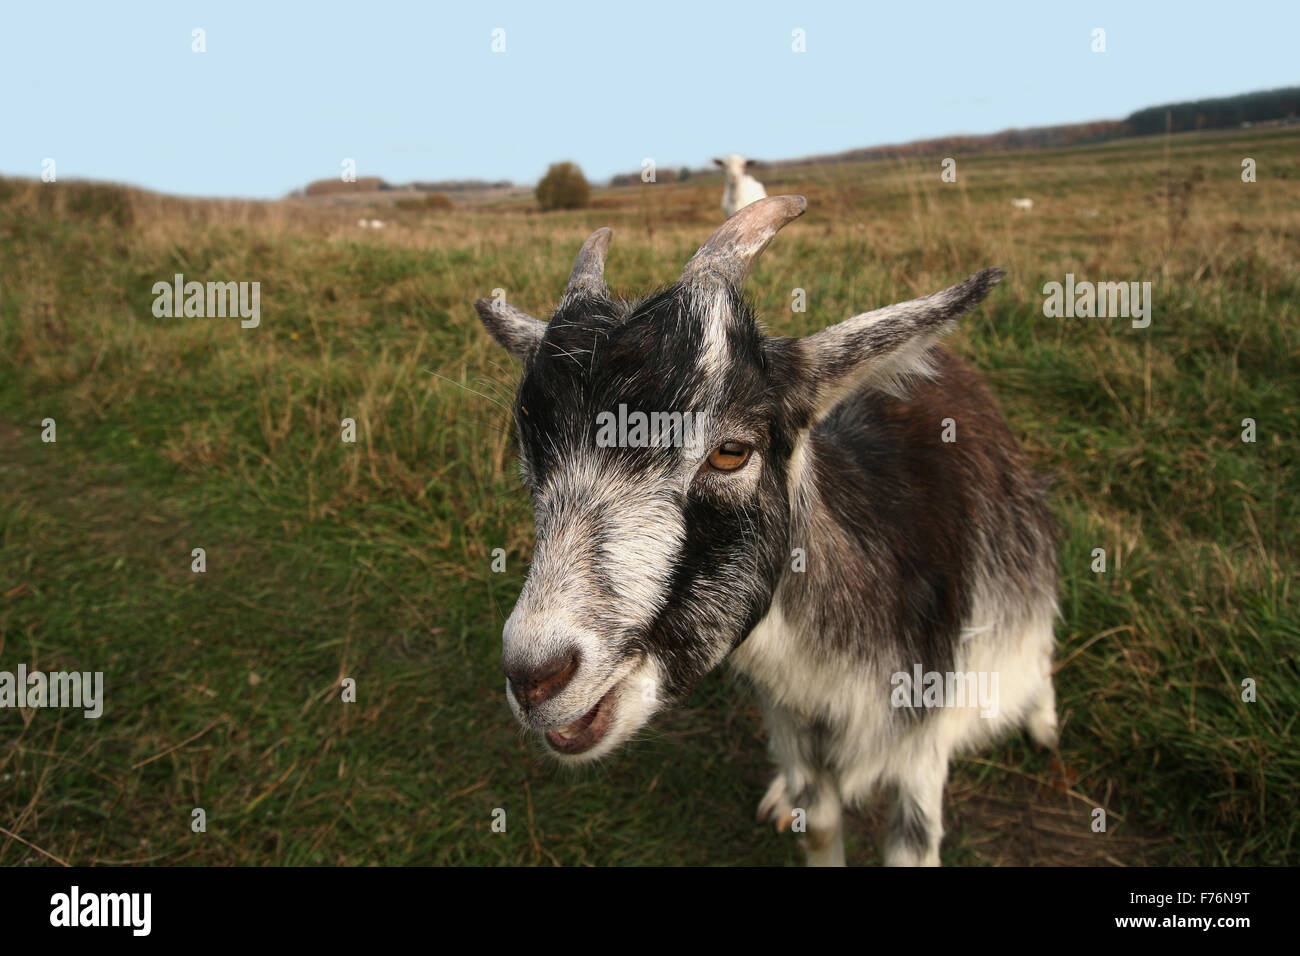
855	521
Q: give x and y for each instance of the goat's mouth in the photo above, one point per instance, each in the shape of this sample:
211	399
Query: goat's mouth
588	730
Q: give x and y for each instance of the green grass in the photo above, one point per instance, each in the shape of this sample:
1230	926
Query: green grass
371	561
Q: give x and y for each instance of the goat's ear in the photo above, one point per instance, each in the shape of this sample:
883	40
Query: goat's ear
514	328
718	162
883	349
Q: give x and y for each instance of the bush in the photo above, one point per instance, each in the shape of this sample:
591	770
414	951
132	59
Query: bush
563	187
435	202
335	187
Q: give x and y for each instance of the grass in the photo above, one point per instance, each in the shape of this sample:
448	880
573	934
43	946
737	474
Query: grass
371	560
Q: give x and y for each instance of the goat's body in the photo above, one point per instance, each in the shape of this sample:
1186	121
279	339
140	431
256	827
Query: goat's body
949	549
739	188
739	193
882	568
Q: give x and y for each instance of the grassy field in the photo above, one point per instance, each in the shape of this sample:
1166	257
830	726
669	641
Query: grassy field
371	560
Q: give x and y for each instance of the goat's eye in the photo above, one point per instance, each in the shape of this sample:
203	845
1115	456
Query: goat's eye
729	456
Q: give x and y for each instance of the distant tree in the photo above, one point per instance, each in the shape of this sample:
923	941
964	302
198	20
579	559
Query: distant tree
684	174
432	202
563	187
334	187
1229	112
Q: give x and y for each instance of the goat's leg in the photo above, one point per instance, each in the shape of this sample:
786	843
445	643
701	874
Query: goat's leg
816	810
824	843
803	790
916	825
1042	718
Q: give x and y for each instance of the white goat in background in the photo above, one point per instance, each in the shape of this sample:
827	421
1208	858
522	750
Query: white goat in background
741	188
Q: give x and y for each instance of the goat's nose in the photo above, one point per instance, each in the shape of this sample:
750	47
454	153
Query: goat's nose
534	686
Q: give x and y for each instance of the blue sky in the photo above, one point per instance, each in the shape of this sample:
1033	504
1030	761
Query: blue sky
285	92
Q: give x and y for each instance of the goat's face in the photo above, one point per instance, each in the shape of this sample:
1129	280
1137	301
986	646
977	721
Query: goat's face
734	166
657	549
657	440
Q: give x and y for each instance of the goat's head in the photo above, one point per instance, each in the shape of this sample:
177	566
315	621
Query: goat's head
662	441
734	166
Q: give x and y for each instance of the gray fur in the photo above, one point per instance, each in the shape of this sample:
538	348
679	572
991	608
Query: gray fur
653	565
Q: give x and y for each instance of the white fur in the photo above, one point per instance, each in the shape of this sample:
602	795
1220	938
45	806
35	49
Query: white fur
545	622
797	684
740	188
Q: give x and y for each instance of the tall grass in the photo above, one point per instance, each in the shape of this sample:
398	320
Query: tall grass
371	560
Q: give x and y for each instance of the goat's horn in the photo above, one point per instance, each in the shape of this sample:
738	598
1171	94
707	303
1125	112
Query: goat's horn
730	252
588	276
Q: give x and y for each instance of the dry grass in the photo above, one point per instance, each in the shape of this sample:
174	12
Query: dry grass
372	559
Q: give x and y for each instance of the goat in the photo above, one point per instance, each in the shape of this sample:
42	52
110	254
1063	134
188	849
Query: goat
823	532
740	188
1024	205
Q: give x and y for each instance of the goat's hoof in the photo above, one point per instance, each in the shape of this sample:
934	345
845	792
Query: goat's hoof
775	805
1043	730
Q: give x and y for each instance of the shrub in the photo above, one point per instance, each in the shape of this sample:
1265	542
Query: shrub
435	202
563	187
335	187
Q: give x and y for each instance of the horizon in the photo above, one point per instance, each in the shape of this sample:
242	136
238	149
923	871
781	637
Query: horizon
274	103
